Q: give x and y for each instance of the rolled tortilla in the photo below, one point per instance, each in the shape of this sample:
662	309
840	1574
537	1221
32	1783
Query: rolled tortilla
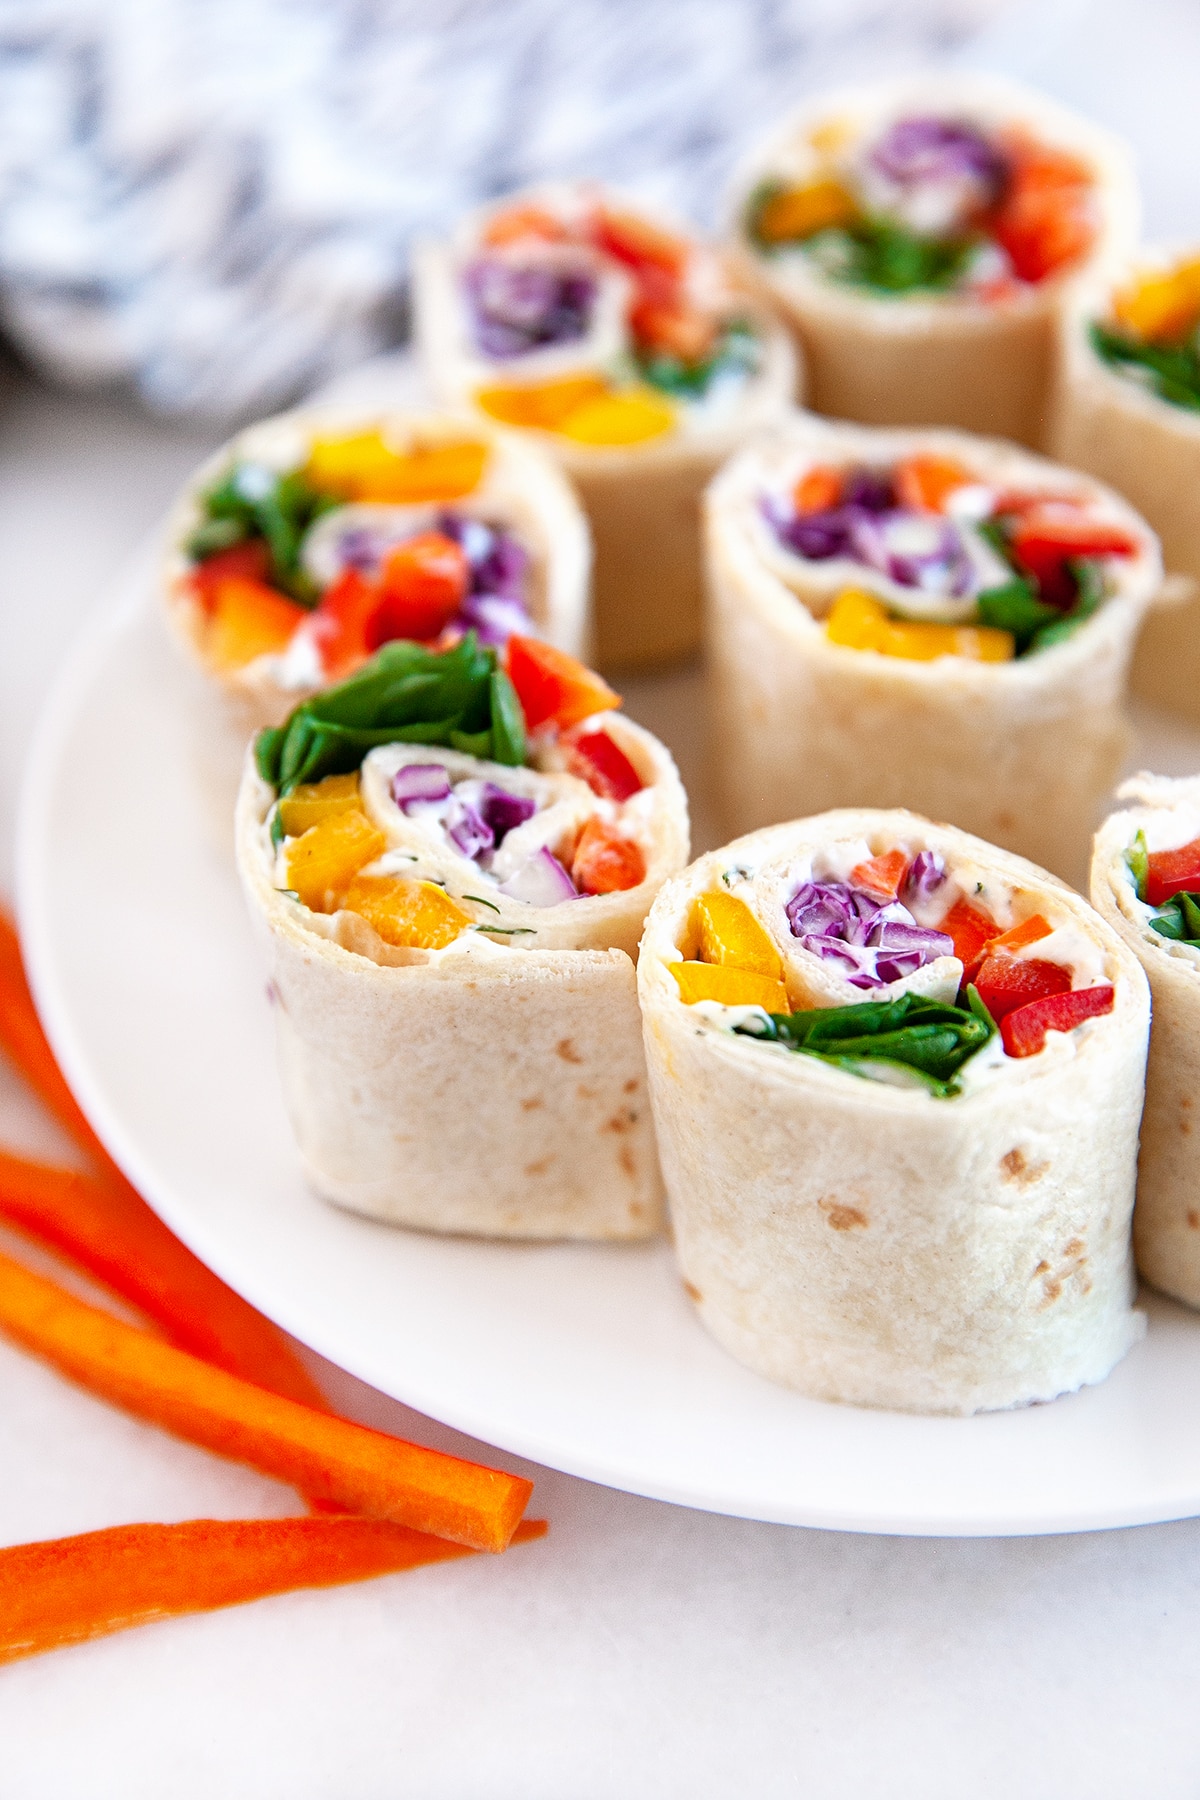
977	354
1021	752
495	1086
1166	1220
1107	421
641	491
506	484
873	1243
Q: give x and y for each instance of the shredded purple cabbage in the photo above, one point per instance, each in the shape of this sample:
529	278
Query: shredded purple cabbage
926	873
927	150
874	942
419	784
495	605
521	306
915	549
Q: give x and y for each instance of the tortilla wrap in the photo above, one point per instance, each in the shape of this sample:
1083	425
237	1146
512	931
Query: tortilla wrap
871	1243
1166	1220
1106	422
496	1087
921	358
642	500
519	488
1021	752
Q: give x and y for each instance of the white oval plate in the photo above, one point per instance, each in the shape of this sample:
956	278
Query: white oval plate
589	1360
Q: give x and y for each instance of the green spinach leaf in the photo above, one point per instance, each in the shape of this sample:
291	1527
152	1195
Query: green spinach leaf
405	694
1179	919
930	1040
1173	373
253	501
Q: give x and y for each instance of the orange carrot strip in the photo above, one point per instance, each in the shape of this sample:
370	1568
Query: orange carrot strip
22	1036
113	1235
882	874
1029	931
365	1471
109	1230
66	1590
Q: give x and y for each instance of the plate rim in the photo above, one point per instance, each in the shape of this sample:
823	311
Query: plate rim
128	605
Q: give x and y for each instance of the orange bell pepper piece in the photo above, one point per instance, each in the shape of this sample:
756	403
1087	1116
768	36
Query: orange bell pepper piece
972	932
524	219
728	986
541	405
926	482
67	1590
882	875
248	561
817	490
731	936
554	688
1029	931
362	1470
605	862
248	619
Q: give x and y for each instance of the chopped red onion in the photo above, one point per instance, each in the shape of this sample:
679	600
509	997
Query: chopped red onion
418	784
467	831
542	881
503	811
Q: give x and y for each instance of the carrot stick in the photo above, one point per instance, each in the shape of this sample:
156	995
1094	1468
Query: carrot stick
365	1471
66	1590
108	1228
113	1234
22	1036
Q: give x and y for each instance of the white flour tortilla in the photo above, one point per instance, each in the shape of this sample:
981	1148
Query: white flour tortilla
483	1088
642	500
872	1244
519	488
1166	1221
1021	753
1109	424
930	359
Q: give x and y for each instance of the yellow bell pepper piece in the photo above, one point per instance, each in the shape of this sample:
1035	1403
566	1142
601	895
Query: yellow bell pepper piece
633	416
801	212
364	467
730	934
541	405
729	987
322	863
1161	308
417	915
859	621
313	801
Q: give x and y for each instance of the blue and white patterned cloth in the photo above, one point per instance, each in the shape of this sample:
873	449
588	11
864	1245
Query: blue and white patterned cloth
215	199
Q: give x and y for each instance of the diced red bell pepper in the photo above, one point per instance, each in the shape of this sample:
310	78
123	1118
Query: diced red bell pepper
640	244
596	759
247	561
605	862
817	490
673	328
422	584
554	688
1007	983
1023	1032
882	875
972	932
1173	872
1046	537
1045	219
340	625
